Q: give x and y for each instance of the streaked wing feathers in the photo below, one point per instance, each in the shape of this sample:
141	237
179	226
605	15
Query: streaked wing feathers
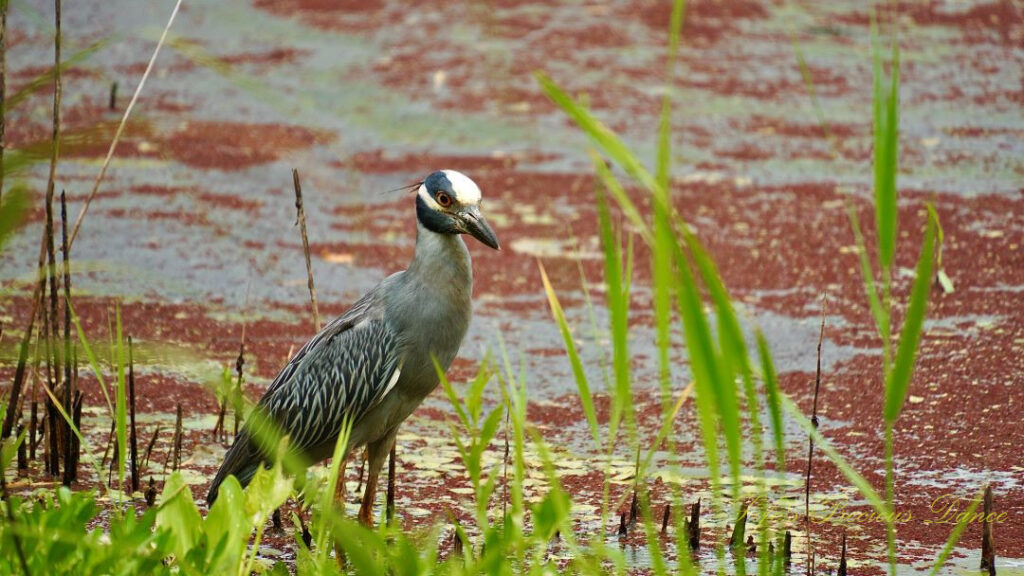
346	369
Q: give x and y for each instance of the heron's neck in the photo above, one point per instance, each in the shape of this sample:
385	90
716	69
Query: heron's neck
440	256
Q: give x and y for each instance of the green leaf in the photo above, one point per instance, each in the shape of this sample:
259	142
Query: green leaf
474	400
618	312
661	254
622	198
703	362
267	491
93	361
227	522
582	386
910	336
735	358
13	210
453	397
771	390
45	79
886	109
178	515
363	548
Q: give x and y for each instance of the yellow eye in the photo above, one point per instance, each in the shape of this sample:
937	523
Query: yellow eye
443	199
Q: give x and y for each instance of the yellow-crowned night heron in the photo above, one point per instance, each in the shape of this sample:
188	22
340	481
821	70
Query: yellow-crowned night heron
375	363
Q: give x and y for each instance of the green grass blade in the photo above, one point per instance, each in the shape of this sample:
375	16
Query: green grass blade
771	390
735	359
661	255
880	314
703	366
13	209
83	441
625	203
582	386
449	390
910	336
601	135
858	481
91	356
45	79
122	417
618	311
327	507
954	536
805	72
886	111
665	121
666	425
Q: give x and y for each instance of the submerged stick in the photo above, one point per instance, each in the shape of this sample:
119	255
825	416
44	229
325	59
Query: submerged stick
74	446
149	447
71	456
236	396
988	549
389	507
634	509
58	89
53	430
20	370
110	438
177	441
33	424
301	221
22	453
151	493
842	558
736	540
694	526
133	445
787	550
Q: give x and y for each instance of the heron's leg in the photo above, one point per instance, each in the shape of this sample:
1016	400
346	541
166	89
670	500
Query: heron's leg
340	491
378	453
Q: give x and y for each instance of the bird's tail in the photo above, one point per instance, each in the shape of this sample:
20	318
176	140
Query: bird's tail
241	461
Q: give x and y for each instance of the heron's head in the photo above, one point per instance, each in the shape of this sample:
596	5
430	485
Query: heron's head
448	202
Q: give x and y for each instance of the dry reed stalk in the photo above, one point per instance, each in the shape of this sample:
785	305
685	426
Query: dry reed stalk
120	127
301	221
810	440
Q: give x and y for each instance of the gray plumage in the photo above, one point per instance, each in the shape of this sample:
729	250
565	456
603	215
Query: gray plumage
374	364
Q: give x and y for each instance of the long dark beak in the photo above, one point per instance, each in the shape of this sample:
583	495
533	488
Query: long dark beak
477	227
